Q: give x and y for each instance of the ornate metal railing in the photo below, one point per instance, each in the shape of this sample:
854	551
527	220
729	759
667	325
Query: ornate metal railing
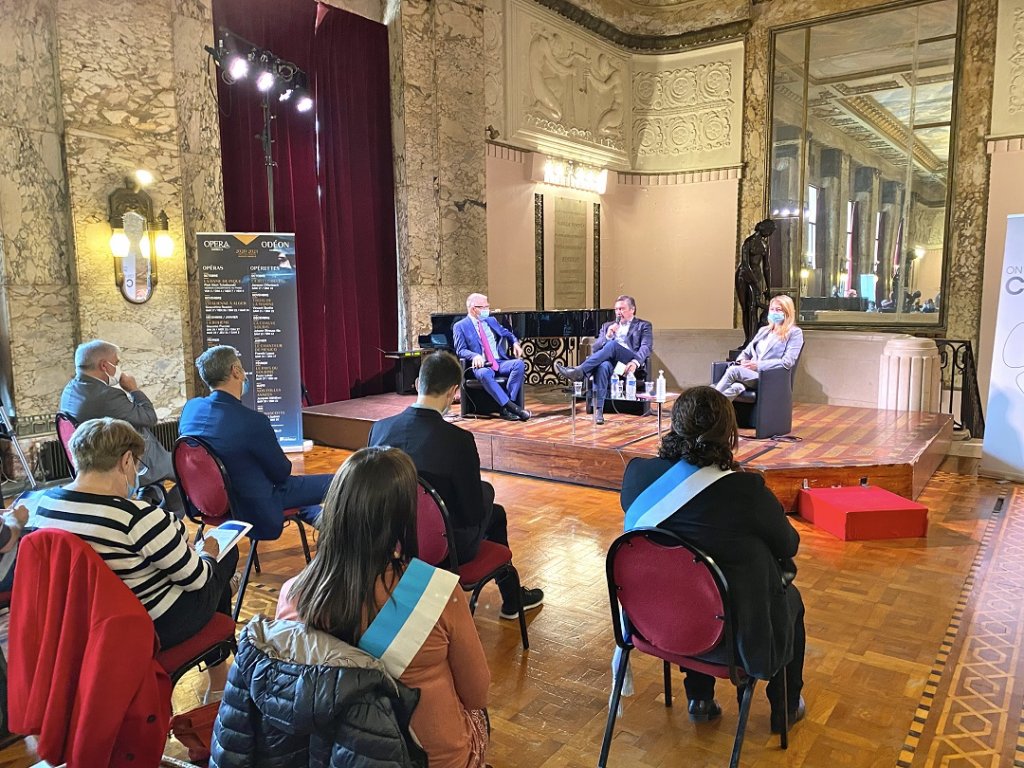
960	374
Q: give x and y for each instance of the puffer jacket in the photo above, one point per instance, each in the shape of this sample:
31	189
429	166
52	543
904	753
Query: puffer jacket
300	697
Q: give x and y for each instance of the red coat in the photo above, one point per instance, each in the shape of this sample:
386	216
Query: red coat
82	671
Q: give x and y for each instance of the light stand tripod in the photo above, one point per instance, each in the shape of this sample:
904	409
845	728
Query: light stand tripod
7	433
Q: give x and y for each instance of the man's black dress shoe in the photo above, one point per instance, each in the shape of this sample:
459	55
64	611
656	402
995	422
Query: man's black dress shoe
703	710
572	374
794	717
522	413
508	414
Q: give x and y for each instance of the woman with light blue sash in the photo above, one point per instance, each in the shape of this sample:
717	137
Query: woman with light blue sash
693	489
366	587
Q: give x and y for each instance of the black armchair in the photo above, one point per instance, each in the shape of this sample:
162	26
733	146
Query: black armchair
473	398
768	409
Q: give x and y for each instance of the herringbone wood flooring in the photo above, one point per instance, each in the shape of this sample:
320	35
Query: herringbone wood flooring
878	618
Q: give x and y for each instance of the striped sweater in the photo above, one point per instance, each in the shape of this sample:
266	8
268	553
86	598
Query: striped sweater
144	545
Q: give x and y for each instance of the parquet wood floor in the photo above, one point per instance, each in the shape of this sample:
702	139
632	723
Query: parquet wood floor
878	618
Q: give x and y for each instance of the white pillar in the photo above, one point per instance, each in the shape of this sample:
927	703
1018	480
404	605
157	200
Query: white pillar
909	375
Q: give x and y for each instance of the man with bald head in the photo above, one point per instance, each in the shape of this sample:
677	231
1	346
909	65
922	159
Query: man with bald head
476	340
101	389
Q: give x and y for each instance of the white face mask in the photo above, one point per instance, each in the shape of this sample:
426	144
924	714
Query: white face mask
115	378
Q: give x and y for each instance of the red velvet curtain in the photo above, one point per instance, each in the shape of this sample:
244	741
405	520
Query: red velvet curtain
344	252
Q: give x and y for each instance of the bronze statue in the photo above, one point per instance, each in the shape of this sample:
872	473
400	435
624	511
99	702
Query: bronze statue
753	279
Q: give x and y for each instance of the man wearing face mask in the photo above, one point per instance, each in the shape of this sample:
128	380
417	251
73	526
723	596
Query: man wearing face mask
447	458
476	340
628	340
262	484
101	389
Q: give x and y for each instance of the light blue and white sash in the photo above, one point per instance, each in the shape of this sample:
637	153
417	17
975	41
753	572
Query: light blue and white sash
658	501
407	617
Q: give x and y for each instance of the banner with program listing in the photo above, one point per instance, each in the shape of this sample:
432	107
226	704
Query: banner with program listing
1003	448
249	301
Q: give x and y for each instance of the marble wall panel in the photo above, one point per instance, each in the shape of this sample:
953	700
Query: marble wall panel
200	10
42	344
150	336
27	75
115	67
494	72
966	249
33	207
198	121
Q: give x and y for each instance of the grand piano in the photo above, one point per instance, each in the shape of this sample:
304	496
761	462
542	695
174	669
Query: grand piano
547	336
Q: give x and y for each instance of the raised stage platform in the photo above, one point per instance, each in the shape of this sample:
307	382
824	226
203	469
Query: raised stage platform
837	445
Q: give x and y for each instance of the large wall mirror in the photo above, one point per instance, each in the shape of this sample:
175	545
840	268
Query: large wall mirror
862	114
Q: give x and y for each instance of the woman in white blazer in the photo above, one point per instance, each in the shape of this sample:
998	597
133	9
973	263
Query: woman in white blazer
776	345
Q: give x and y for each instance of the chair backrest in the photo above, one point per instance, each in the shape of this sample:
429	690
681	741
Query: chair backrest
433	532
66	426
672	594
202	479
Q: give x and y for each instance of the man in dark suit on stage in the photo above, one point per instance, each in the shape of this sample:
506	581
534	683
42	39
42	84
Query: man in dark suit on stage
476	340
262	483
446	457
628	340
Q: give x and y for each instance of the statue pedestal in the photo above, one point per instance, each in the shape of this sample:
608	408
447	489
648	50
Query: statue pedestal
909	375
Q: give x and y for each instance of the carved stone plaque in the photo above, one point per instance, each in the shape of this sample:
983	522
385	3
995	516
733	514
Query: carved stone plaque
570	254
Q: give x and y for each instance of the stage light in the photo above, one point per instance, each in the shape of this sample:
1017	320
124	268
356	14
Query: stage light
304	104
265	81
238	67
286	94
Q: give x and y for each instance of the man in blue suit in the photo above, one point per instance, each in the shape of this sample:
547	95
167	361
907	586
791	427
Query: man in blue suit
476	340
262	483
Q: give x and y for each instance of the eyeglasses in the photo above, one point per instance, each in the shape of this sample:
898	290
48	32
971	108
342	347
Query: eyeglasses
481	306
140	467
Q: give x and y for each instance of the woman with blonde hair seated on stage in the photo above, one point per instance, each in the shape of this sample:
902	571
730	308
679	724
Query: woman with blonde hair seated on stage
776	345
366	588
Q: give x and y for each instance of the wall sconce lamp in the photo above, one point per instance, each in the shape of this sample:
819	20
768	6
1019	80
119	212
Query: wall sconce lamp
136	236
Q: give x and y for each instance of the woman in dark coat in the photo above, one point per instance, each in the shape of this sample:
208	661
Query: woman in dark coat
737	520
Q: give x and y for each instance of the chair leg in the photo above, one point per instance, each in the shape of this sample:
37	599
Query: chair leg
256	561
249	563
474	597
613	707
302	537
668	684
741	726
784	736
514	574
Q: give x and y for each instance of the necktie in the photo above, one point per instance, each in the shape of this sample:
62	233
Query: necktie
488	352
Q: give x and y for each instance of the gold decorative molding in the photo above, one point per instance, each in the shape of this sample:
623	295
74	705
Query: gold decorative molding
881	120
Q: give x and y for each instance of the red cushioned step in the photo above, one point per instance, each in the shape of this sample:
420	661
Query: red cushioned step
221	627
861	513
489	558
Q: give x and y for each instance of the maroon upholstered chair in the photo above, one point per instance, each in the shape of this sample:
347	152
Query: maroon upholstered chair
671	601
206	491
435	545
66	426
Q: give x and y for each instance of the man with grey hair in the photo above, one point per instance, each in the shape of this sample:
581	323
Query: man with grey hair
101	389
262	484
476	341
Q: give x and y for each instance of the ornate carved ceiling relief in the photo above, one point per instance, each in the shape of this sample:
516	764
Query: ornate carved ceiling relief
573	94
1008	96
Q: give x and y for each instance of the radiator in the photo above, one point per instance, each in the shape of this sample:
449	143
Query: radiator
55	462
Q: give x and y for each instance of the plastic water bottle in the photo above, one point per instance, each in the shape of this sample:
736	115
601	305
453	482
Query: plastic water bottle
615	391
630	386
660	388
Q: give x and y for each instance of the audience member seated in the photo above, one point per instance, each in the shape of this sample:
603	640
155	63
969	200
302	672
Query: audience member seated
694	491
776	345
929	306
446	456
262	484
629	340
101	389
147	547
476	340
364	589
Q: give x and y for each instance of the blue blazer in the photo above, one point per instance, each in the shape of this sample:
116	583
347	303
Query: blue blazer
467	340
781	354
245	441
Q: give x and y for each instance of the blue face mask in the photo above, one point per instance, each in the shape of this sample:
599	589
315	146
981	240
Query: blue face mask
484	314
133	489
245	386
776	318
